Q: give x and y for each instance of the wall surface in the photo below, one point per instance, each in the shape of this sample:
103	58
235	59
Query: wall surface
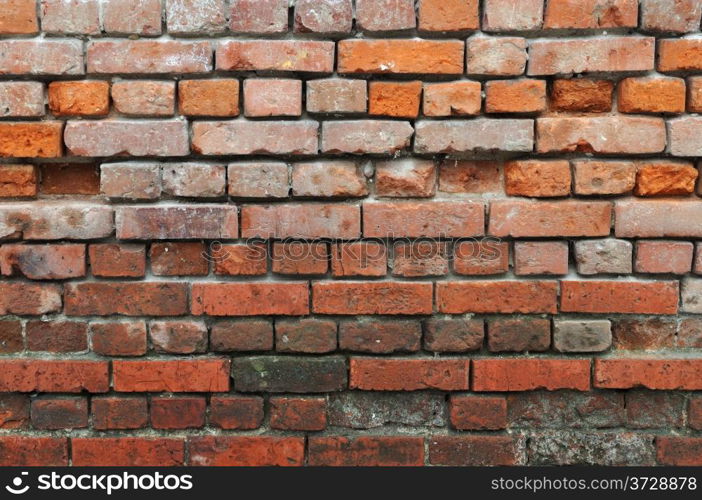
243	232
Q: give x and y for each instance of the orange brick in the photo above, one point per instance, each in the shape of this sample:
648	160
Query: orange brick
208	97
17	181
537	178
662	374
680	55
498	375
526	297
396	99
373	374
625	297
515	96
591	14
357	297
581	94
83	98
665	178
18	17
27	140
452	99
401	56
448	15
651	95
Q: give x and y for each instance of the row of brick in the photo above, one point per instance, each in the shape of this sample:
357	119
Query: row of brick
603	448
602	409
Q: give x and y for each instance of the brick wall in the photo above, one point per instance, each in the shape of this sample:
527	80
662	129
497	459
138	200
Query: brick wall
243	232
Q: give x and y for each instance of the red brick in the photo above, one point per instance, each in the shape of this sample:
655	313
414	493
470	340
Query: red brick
372	298
394	99
73	17
111	260
657	219
679	55
496	55
526	297
186	375
140	17
515	96
29	298
81	98
328	179
418	219
453	334
188	17
208	97
478	413
336	95
144	98
651	95
178	259
537	178
470	177
19	17
26	451
519	334
512	15
448	15
119	338
41	57
366	451
540	257
654	410
259	16
11	336
301	221
132	181
323	16
14	411
310	56
360	258
272	97
644	334
642	297
241	335
54	413
677	17
298	414
248	259
542	219
406	178
581	94
17	181
482	135
475	450
236	412
420	258
591	14
299	257
305	335
178	337
26	140
365	136
380	336
499	375
671	257
119	413
65	375
250	137
651	373
246	451
694	412
21	99
191	222
463	98
665	178
592	177
679	451
401	56
70	178
127	452
181	412
374	374
43	262
148	57
250	299
56	336
127	299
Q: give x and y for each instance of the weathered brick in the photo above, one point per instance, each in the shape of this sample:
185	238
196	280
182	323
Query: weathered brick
409	374
537	178
180	412
186	375
70	17
132	181
29	298
41	57
272	97
21	99
679	55
365	136
591	448
43	262
328	179
670	257
656	219
496	56
366	451
681	16
11	337
53	413
302	221
19	17
540	257
177	222
56	336
498	375
112	260
298	257
258	16
462	98
691	295
473	136
128	452
246	451
298	414
380	336
367	410
27	140
694	413
144	98
336	95
478	413
420	258
653	410
48	375
354	298
645	334
250	137
512	15
581	94
323	16
119	413
309	56
55	221
605	256
418	219
179	259
518	334
194	180
27	451
70	178
471	177
236	412
178	337
448	15
667	374
625	297
309	335
139	17
79	98
565	409
14	411
147	56
400	56
515	96
591	14
359	258
249	259
191	17
241	336
250	299
453	334
289	374
475	450
208	97
118	338
651	95
126	299
679	451
682	133
595	177
582	336
694	94
258	179
496	297
385	15
395	99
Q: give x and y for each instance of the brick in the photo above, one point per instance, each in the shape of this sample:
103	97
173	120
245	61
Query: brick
405	178
418	219
395	99
518	334
56	336
679	451
181	375
139	17
194	222
14	411
126	299
581	94
605	256
496	56
272	97
148	57
679	55
565	409
582	336
475	450
352	298
65	375
118	338
368	410
144	98
27	140
644	334
547	219
298	414
70	178
241	336
499	375
325	16
537	178
366	451
131	181
208	97
670	257
689	333
663	374
652	410
194	180
460	176
656	219
359	258
21	99
481	135
595	177
41	57
258	16
453	334
73	17
180	412
591	448
481	258
258	179
28	451
178	337
310	56
697	266
397	374
525	297
515	96
694	94
591	14
189	17
695	414
511	15
651	95
301	221
249	137
236	412
385	15
682	132
677	17
420	258
448	15
178	259
633	297
365	136
249	259
80	98
119	413
250	299
289	374
246	451
54	413
11	337
328	179
462	98
29	298
540	257
128	451
111	260
19	17
55	221
398	56
692	295
336	95
301	258
380	336
43	262
310	335
478	413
